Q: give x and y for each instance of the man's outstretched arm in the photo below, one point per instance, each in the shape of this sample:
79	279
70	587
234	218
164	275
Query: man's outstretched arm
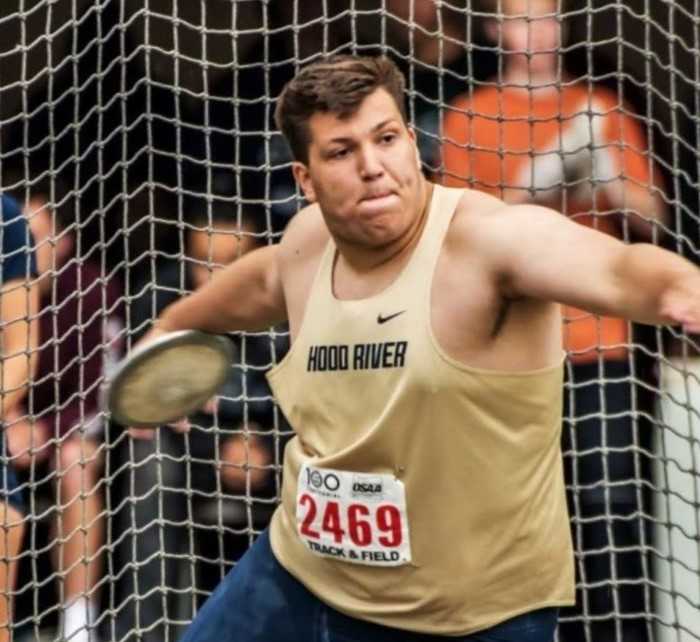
542	255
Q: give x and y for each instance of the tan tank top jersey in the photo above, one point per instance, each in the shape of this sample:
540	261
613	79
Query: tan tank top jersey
419	493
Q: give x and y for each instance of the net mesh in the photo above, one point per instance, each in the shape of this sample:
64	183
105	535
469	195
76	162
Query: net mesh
138	138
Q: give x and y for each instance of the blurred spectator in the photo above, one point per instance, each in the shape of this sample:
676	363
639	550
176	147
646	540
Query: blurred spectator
228	449
61	425
428	40
676	483
534	135
243	138
19	335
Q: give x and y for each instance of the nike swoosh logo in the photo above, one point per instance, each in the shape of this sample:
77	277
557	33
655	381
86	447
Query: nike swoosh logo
381	319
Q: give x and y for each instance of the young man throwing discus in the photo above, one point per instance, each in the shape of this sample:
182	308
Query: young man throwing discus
423	496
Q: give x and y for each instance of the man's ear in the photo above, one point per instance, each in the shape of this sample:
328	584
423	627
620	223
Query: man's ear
303	179
414	138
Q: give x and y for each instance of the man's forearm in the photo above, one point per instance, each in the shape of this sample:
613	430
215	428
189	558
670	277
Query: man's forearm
246	295
189	313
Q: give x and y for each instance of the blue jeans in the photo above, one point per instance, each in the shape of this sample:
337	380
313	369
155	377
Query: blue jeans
259	601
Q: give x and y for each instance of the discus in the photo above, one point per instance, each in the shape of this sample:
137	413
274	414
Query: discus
169	378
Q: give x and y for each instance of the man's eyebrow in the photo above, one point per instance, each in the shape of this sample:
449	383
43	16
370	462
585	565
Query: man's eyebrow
377	127
383	124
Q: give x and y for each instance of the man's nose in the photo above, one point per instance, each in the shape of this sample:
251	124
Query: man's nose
370	164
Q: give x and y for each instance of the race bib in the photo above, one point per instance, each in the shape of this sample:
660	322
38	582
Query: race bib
353	517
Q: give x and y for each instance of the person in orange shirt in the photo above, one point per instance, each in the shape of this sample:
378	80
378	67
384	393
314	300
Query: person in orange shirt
536	134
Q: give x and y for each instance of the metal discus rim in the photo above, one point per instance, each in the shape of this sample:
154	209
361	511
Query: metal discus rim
133	362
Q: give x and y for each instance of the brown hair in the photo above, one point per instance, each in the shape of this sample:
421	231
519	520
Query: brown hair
336	85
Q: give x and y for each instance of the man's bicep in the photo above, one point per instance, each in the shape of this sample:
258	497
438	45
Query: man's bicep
548	257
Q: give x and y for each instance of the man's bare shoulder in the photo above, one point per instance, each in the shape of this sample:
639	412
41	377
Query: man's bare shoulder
482	220
299	254
487	232
305	237
474	211
475	202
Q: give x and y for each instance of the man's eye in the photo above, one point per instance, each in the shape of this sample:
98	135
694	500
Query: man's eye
388	138
339	153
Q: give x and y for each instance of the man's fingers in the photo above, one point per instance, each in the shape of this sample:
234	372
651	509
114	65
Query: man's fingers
211	406
141	433
181	425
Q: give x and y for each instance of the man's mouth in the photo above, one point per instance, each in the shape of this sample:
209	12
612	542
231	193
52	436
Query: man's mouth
373	196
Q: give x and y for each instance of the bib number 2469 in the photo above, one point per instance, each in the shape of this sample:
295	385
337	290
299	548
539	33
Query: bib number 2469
353	517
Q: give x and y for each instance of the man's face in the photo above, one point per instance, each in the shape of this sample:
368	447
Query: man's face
212	250
530	26
364	172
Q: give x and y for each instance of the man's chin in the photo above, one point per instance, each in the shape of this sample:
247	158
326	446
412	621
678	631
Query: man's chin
368	239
